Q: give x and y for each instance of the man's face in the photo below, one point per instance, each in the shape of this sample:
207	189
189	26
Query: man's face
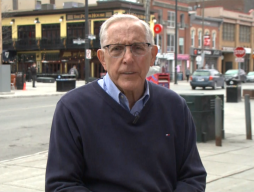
129	71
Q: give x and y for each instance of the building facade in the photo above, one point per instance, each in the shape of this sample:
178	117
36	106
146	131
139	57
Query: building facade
237	30
165	15
54	39
205	42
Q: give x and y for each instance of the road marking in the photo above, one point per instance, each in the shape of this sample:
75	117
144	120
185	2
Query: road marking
27	108
25	156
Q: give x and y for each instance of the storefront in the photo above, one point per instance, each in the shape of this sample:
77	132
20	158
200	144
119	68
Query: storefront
68	58
211	58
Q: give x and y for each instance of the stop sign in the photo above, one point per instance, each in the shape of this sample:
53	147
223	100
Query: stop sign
239	52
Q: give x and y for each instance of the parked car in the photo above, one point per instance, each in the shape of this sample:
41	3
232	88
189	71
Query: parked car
233	74
250	76
207	78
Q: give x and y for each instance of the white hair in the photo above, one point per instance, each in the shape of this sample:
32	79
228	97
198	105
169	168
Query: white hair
119	17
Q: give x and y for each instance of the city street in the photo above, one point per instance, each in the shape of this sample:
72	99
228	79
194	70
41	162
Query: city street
25	120
25	125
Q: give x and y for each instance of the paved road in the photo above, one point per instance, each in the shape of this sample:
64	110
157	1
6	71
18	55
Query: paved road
25	125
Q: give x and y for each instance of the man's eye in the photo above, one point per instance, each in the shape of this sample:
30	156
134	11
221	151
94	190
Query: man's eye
117	48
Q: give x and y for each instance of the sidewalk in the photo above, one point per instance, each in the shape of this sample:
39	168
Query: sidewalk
230	168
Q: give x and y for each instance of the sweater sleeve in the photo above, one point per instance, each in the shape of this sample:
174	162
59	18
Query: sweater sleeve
65	165
192	174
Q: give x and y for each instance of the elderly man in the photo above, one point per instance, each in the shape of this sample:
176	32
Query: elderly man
122	133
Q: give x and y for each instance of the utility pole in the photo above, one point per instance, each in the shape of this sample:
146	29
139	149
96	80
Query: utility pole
202	46
87	42
176	42
147	13
1	36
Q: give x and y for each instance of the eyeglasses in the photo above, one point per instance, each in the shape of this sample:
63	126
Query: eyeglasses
118	50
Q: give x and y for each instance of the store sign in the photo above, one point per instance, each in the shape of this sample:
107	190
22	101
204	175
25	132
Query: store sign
81	16
227	49
207	52
207	40
183	57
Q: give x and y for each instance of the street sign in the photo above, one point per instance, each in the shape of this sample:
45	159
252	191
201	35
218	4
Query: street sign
239	52
239	59
88	54
157	28
79	41
91	37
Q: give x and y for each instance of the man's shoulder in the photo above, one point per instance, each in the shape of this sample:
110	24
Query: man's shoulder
83	93
164	94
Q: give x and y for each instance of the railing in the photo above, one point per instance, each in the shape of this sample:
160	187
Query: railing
8	45
52	43
48	44
27	44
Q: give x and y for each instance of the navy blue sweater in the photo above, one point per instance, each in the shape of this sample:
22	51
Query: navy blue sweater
94	145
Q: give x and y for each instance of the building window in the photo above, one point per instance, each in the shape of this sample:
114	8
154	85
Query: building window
181	45
214	40
192	38
171	43
182	23
26	32
7	34
244	35
51	31
228	33
171	19
52	2
15	4
200	38
50	34
97	26
75	31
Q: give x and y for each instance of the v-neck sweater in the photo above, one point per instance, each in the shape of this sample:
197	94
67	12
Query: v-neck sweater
95	146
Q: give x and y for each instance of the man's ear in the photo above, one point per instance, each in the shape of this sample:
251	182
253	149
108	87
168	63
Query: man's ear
101	57
154	52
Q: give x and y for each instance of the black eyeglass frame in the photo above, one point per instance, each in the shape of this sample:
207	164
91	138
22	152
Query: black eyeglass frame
107	46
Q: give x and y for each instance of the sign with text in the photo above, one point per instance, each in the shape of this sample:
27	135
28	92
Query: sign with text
239	52
207	40
88	54
239	59
79	41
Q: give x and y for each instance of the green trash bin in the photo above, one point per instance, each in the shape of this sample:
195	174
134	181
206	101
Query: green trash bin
202	108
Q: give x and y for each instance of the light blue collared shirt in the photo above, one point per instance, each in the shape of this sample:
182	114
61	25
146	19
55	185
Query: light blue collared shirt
107	85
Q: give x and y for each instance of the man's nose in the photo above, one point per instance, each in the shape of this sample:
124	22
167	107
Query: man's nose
128	51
